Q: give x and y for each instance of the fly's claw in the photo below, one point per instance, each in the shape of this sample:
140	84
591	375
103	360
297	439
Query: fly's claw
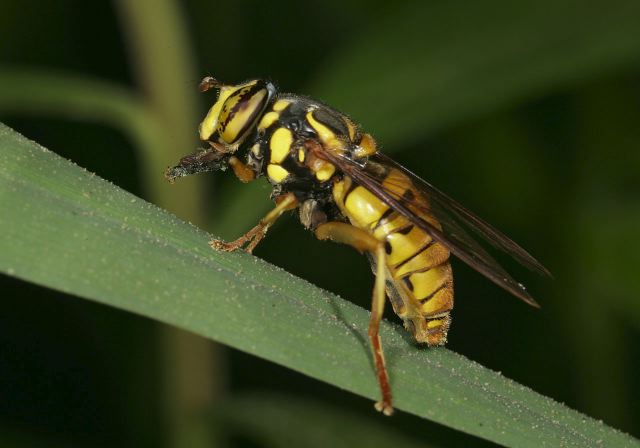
385	408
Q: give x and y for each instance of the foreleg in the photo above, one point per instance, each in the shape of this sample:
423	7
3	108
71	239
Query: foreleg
251	239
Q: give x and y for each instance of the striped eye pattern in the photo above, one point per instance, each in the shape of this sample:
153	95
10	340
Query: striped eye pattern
241	110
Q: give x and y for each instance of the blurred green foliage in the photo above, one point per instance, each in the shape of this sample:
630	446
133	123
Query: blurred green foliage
528	112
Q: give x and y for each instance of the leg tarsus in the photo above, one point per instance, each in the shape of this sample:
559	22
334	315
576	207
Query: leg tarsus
258	232
251	239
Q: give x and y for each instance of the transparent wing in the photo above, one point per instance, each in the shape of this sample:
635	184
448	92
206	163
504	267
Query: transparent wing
455	220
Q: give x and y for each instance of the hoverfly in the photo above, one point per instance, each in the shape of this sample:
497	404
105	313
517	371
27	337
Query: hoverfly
321	163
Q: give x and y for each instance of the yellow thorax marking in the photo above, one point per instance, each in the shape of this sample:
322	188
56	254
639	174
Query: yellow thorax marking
276	173
327	137
325	172
323	169
280	144
280	105
268	119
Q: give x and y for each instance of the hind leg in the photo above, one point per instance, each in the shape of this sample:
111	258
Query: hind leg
363	241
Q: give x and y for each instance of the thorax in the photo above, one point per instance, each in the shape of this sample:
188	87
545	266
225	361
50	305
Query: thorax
278	148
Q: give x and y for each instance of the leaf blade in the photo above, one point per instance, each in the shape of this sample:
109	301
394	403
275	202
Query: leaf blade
70	230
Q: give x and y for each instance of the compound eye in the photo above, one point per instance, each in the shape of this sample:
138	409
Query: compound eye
241	111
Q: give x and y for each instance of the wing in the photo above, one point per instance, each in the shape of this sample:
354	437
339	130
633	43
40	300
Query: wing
455	220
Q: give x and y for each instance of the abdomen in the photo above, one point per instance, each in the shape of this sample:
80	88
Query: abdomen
419	282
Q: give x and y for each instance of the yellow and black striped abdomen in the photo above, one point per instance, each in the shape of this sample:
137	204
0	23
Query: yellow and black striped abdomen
420	282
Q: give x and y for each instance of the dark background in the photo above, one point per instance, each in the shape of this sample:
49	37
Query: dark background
529	115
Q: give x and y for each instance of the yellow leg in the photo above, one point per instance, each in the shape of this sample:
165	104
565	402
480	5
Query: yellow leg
363	241
344	233
255	235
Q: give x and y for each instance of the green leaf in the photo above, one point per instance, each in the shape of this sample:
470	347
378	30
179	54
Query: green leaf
430	65
67	229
